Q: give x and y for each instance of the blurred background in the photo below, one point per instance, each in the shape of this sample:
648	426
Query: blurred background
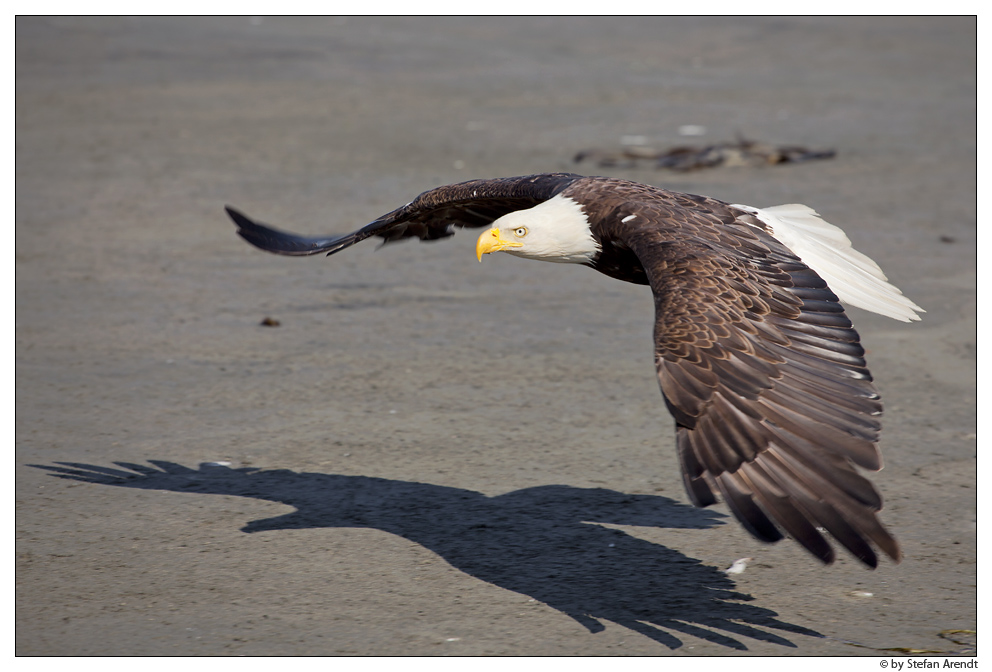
138	336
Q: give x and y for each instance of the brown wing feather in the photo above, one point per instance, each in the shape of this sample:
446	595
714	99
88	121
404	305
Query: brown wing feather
431	216
765	376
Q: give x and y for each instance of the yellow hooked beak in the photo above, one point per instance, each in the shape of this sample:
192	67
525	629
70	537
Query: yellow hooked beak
491	241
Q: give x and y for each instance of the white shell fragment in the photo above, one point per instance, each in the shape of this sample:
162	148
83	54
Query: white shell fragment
738	567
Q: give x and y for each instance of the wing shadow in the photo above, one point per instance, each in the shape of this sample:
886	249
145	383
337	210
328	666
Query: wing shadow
542	542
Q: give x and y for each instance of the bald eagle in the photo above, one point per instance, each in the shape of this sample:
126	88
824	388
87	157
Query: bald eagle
774	406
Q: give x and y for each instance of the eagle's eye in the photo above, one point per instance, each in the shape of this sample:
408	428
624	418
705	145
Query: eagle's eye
521	232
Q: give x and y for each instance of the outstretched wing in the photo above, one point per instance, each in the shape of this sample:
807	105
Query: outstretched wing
766	379
431	216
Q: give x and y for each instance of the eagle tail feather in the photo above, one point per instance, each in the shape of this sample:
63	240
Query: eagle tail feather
825	248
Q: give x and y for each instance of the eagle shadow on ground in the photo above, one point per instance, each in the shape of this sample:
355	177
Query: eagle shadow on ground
543	542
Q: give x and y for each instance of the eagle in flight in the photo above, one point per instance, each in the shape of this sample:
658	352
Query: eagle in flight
765	376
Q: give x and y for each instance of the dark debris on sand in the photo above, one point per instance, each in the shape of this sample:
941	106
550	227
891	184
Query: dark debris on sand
685	158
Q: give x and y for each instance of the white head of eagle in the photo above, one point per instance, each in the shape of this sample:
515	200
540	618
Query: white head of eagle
556	230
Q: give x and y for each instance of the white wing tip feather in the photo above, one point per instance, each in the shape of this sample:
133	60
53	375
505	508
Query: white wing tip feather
825	248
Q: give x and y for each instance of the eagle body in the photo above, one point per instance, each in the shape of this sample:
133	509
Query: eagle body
757	361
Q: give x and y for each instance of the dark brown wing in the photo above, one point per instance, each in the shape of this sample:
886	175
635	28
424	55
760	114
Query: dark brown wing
766	379
431	216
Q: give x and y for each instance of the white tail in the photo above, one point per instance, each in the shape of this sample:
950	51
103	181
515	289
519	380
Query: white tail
852	276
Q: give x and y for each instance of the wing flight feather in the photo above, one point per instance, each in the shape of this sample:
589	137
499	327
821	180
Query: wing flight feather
433	215
766	378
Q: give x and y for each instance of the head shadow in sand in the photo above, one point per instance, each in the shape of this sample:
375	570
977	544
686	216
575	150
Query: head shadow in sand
543	542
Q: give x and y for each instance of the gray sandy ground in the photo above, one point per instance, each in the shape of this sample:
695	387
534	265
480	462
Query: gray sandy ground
429	455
